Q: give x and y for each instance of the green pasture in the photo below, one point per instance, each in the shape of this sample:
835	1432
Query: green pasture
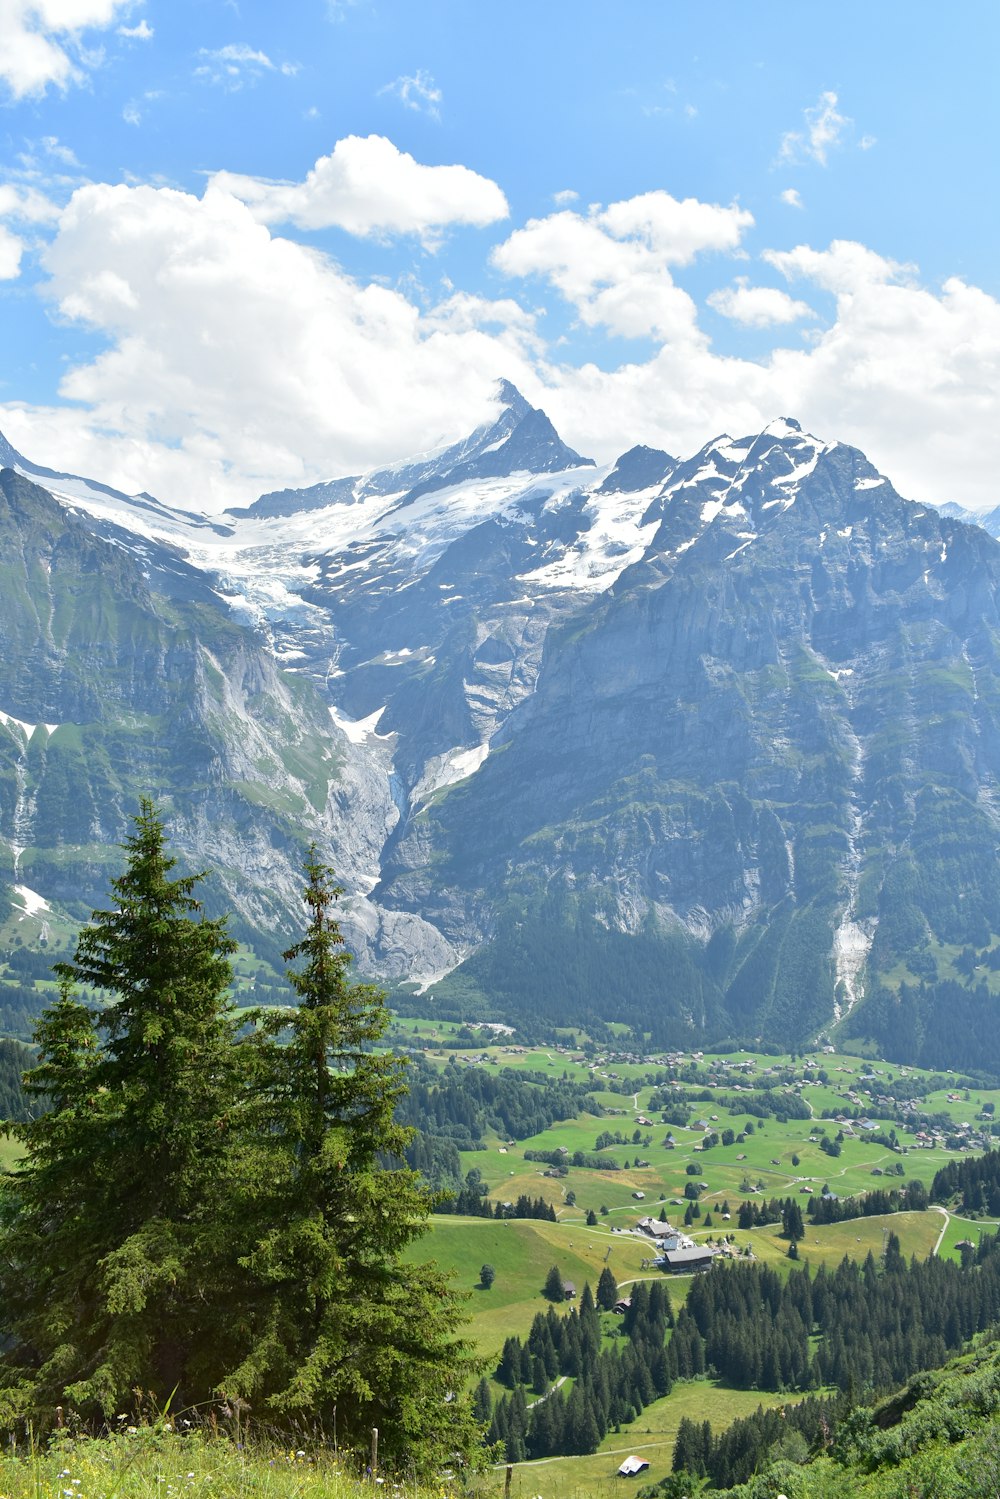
522	1251
963	1228
651	1437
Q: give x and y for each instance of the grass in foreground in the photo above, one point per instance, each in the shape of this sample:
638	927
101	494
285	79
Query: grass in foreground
158	1463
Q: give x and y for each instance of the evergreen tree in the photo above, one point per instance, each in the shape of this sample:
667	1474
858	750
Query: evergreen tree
346	1329
554	1285
115	1262
607	1289
482	1402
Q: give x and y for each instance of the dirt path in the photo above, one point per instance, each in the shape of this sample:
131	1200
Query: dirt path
944	1227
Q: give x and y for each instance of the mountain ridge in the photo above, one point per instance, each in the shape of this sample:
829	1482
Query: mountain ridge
694	721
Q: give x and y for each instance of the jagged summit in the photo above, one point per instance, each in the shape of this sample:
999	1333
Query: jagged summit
519	439
639	468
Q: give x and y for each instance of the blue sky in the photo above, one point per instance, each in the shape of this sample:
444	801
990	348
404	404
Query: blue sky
662	220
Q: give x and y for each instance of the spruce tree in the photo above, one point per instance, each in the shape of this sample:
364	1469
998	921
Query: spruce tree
112	1258
347	1334
607	1289
554	1285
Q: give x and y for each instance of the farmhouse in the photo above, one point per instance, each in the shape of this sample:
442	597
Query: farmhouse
665	1234
631	1466
683	1261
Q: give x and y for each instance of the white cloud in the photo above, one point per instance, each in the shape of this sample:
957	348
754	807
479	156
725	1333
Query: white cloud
564	197
824	130
11	249
141	33
791	198
41	41
846	267
369	187
132	114
27	204
418	92
613	266
236	64
23	206
54	147
236	360
758	306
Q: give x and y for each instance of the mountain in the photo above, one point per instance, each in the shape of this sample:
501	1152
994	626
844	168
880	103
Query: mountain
520	440
122	674
708	746
988	519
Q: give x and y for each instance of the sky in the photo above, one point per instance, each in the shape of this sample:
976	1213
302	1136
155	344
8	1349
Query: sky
245	246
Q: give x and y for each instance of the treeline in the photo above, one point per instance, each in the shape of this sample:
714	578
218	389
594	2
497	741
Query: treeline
937	1435
751	1214
911	1199
612	1386
15	1059
877	1327
764	1106
977	1181
745	1447
583	1159
20	1006
465	1104
934	1024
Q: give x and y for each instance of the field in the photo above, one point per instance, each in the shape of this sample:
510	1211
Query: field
867	1147
651	1437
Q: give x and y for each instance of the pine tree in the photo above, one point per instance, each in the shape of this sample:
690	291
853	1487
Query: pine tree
114	1256
347	1330
554	1285
482	1402
607	1289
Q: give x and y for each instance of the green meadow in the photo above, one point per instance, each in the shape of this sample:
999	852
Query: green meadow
775	1159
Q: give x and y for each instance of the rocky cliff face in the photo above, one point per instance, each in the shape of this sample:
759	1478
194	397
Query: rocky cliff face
710	746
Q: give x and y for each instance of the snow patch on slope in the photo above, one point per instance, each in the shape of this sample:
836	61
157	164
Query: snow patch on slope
448	769
32	902
27	729
359	730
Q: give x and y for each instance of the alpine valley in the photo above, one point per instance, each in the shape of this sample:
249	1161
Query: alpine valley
709	746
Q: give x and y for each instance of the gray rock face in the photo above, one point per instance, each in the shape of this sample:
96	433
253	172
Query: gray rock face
708	745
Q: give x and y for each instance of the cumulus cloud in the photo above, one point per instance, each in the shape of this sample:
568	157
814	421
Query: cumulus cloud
418	92
823	130
791	198
758	306
613	265
40	41
11	249
236	360
369	187
143	32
